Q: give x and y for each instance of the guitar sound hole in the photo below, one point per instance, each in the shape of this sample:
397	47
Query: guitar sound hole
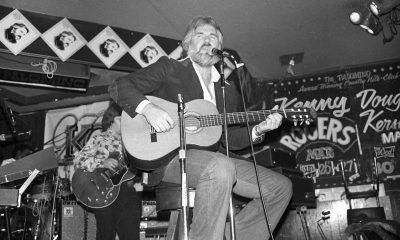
192	123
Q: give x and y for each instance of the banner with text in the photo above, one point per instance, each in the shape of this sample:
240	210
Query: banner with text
358	123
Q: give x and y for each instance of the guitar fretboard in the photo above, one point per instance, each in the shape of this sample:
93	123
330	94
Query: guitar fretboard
253	117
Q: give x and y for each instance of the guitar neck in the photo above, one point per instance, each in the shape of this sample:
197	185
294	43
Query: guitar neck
238	117
121	167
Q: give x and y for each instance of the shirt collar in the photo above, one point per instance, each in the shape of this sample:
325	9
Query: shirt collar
214	72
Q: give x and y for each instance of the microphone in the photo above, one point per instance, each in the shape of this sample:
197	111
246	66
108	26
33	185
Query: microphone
181	105
10	115
17	136
221	53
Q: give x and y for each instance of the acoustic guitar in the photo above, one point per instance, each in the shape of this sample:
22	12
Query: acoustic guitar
100	188
148	149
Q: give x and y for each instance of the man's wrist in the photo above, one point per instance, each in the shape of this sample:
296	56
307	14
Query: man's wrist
140	107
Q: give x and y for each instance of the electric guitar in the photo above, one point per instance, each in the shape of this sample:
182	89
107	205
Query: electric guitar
100	188
149	149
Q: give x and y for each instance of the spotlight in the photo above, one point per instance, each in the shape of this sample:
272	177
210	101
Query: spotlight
359	14
381	7
366	20
371	24
355	17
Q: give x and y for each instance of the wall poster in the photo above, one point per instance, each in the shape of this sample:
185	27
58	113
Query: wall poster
68	129
358	123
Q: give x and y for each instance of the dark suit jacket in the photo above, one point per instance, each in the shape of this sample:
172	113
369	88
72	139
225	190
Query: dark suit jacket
166	79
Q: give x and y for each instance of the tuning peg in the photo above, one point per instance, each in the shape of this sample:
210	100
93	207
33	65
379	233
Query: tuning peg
326	212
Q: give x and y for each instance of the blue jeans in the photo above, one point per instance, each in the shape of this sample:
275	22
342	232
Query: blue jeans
214	175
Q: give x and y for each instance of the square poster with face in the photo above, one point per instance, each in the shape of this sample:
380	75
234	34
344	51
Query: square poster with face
108	47
146	51
16	32
64	39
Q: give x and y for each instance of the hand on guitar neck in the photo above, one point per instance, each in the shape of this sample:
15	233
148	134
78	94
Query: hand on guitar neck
112	162
272	121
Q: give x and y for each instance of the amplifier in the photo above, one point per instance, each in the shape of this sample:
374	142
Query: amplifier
149	209
76	222
303	192
9	197
275	157
303	188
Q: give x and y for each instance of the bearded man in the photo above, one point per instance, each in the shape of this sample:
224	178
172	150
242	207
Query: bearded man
214	175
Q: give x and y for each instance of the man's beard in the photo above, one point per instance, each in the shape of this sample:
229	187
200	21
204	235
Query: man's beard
203	59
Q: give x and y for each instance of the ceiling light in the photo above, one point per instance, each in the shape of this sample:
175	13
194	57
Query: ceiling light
359	14
371	24
381	7
366	20
355	17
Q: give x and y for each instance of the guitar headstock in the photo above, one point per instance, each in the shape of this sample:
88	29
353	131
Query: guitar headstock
300	115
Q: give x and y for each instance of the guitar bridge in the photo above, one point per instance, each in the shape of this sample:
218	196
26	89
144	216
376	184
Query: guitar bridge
153	135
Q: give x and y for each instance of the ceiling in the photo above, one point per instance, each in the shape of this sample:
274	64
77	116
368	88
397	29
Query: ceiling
260	30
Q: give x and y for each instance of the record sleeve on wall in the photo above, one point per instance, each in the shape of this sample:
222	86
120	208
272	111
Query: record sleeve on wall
17	32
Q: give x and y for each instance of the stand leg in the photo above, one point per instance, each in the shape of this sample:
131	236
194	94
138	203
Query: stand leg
232	219
172	232
184	177
7	220
301	211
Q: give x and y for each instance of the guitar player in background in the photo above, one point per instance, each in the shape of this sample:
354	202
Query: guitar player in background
104	150
210	172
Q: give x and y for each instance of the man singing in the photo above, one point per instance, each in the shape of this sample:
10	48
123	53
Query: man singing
214	175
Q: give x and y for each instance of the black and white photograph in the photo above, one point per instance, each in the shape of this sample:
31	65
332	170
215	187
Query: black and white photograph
200	120
16	32
108	46
146	51
64	39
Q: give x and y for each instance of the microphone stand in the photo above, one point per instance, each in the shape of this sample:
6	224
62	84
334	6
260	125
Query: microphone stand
231	211
183	163
8	113
241	84
9	116
53	209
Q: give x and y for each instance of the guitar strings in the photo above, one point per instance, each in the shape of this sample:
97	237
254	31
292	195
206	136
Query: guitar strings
254	116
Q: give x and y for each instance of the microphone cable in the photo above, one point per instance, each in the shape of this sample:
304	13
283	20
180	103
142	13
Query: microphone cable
241	84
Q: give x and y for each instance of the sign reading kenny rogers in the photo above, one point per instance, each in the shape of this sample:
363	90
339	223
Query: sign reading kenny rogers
355	103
